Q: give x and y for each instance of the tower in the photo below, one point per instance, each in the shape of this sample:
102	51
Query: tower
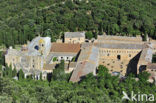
41	46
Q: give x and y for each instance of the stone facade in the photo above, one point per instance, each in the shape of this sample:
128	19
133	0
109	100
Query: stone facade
119	54
151	68
116	60
74	37
30	60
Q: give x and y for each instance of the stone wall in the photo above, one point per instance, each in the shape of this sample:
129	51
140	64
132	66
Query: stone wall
75	40
116	60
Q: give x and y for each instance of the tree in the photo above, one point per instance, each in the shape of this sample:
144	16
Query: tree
1	72
74	59
59	73
20	74
10	71
143	76
41	76
2	58
89	35
54	59
14	72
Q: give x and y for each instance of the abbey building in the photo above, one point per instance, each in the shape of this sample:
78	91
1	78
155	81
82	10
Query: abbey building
120	54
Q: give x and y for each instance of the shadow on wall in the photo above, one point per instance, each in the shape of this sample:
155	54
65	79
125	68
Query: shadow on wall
132	66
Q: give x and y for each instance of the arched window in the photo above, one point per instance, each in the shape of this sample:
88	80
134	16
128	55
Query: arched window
36	47
118	57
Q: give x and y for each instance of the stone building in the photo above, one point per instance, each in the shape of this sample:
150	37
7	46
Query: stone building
87	63
116	52
145	58
63	51
74	37
32	59
151	68
121	55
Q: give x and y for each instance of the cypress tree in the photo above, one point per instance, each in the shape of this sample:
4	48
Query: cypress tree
10	71
41	76
14	72
1	71
20	75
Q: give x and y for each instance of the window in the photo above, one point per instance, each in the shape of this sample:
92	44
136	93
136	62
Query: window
107	54
118	57
121	67
36	47
129	55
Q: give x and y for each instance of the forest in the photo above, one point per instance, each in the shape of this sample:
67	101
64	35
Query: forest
102	88
22	20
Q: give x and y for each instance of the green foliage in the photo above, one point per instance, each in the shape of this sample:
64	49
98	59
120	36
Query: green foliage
20	74
2	58
7	72
14	72
59	73
1	72
154	58
0	68
74	59
102	88
54	59
143	76
41	76
23	20
89	35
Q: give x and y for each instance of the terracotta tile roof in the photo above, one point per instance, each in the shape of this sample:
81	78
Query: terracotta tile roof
78	72
85	65
65	47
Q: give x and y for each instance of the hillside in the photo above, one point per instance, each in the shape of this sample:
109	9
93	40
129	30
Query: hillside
21	20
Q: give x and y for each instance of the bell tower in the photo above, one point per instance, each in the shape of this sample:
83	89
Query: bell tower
41	46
